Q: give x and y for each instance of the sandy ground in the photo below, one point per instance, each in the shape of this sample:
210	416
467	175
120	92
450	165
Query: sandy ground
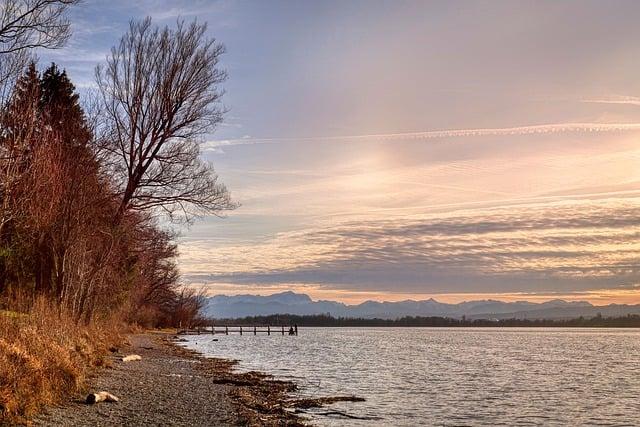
170	386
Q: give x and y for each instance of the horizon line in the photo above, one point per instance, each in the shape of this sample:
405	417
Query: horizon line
510	298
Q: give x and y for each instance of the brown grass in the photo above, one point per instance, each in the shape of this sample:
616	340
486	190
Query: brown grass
45	356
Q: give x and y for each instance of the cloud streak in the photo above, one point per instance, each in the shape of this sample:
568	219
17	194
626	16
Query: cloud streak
444	134
562	246
622	100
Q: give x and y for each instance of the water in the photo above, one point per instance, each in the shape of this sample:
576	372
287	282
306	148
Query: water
452	376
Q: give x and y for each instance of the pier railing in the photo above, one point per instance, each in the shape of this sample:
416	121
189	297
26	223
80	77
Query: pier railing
242	330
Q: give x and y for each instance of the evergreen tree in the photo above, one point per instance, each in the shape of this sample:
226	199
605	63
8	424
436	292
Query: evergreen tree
58	236
19	125
59	104
47	166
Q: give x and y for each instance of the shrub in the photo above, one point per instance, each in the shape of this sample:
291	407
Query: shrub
46	356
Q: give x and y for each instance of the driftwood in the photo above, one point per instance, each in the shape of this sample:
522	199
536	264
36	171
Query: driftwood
101	396
344	414
302	404
260	398
322	401
263	395
131	358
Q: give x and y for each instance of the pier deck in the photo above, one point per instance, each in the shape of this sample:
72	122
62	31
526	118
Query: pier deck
241	330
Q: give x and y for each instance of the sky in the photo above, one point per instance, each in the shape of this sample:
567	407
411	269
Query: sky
392	150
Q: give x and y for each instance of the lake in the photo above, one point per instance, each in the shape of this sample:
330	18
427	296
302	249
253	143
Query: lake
451	376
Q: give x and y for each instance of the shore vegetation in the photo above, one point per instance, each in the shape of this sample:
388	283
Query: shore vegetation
92	192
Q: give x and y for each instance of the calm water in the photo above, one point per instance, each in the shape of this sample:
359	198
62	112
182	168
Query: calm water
452	377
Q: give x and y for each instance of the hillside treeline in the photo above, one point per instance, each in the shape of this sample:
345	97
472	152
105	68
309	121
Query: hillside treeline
89	196
324	320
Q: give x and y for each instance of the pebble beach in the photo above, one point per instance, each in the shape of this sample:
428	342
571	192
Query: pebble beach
172	386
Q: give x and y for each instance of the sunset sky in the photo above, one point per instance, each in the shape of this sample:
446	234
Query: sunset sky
390	150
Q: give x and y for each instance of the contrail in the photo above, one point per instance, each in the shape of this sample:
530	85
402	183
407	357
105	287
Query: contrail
518	130
449	133
623	100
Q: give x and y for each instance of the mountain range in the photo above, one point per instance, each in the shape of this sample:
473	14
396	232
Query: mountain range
238	306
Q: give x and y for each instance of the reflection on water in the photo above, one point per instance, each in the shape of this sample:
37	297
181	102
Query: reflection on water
460	376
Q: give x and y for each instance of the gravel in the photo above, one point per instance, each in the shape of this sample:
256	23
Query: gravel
169	386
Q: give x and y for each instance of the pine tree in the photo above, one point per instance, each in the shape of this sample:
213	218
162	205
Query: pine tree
48	164
59	105
18	125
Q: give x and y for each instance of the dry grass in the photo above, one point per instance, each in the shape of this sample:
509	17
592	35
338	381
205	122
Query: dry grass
45	356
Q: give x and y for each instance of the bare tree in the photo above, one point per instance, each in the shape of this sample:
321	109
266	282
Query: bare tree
186	306
27	24
160	96
156	275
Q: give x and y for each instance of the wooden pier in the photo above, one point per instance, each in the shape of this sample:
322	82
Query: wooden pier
242	330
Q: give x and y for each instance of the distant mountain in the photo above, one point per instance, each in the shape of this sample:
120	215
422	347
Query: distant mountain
222	306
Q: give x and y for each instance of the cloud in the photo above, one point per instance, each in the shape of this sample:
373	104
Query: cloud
562	246
621	100
387	178
441	134
467	203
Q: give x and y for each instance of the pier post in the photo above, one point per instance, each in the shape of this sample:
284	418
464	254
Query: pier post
268	330
255	330
240	330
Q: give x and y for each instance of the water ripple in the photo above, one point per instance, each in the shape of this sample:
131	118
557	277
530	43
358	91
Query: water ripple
454	377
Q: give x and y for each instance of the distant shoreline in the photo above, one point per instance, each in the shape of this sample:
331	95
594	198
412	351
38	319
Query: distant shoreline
324	320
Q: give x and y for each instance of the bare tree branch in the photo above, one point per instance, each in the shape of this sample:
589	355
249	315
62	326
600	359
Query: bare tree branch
24	25
27	24
160	95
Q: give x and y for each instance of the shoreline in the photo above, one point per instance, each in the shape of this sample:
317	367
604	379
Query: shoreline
174	386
